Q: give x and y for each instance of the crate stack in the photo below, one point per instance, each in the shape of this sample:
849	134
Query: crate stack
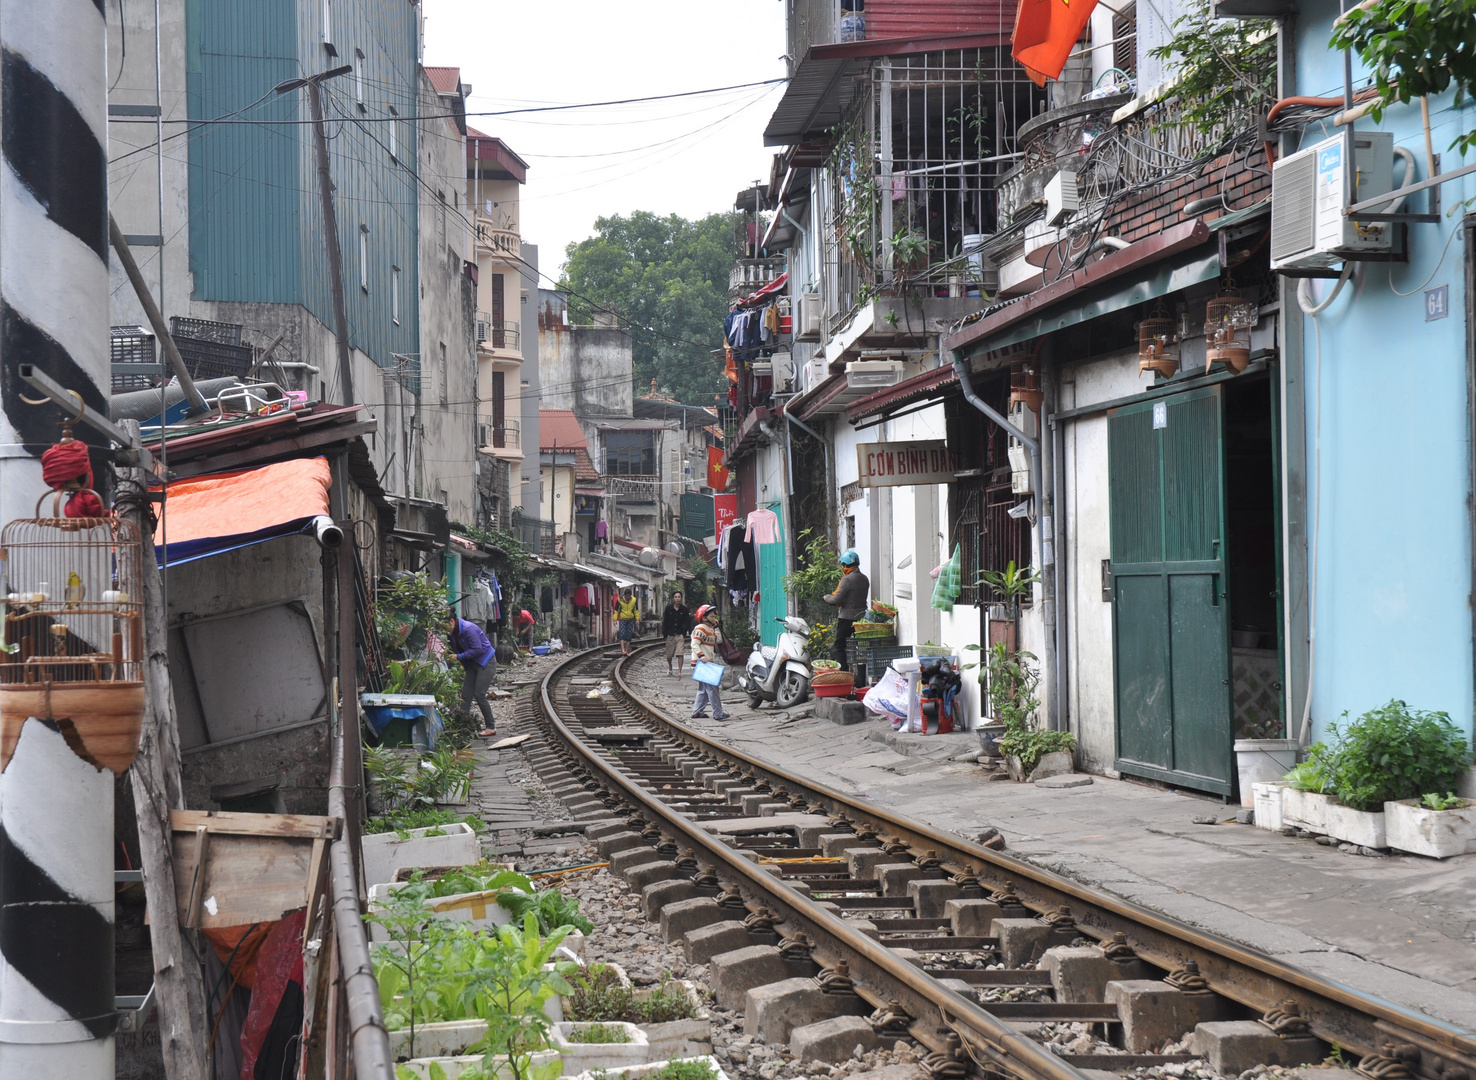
211	350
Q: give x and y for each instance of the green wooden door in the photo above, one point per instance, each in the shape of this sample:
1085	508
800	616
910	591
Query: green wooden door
773	602
1170	610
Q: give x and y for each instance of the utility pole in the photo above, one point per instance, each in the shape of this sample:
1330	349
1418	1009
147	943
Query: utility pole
57	1007
313	84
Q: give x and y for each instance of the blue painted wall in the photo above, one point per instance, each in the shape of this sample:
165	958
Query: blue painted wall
255	228
1393	555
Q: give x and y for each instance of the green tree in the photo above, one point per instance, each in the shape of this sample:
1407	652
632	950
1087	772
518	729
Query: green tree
667	280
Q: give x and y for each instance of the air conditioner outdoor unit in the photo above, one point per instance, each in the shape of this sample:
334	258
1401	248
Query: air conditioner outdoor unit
808	325
1061	197
484	330
783	363
1308	227
816	372
483	435
873	374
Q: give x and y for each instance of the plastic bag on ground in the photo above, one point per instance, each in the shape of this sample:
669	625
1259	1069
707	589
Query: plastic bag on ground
888	697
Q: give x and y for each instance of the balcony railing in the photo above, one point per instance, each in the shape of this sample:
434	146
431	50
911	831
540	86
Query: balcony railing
492	334
496	238
507	436
750	274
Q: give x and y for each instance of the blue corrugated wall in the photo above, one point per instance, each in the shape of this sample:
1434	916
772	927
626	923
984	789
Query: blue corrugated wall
255	229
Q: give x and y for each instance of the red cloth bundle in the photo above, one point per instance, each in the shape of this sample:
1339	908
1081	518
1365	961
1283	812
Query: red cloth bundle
67	463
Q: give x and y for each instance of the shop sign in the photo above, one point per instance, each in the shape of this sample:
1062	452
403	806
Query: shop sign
725	511
894	464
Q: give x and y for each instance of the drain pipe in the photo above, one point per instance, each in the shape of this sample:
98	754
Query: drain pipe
965	383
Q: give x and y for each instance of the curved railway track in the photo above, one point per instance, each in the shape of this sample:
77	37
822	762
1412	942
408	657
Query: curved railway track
779	851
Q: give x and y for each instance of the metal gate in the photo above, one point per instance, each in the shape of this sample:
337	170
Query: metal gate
1170	609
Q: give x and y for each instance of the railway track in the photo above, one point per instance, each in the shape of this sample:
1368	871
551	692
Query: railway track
842	909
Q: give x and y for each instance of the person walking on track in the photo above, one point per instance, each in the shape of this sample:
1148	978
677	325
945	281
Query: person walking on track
849	599
705	638
628	616
479	666
676	627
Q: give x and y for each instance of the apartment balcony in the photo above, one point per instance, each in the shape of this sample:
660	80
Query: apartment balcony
495	238
501	338
748	275
503	440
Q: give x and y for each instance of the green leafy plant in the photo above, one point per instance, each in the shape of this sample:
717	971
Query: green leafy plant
685	1069
600	996
421	819
405	781
1013	585
1310	775
1415	49
406	609
1395	752
480	877
1012	681
909	251
598	1033
516	558
1449	801
425	677
1224	74
551	908
736	629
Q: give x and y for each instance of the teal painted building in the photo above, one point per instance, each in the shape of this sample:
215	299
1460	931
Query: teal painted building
255	230
1387	372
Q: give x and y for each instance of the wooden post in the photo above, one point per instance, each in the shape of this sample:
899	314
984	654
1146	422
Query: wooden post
178	979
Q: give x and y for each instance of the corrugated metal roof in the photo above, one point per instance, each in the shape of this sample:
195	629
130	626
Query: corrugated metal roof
814	100
558	428
446	80
483	147
916	18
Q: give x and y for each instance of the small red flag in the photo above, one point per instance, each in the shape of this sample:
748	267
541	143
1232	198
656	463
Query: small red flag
717	472
1045	33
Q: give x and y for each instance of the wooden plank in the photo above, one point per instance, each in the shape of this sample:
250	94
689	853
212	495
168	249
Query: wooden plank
230	823
245	878
197	879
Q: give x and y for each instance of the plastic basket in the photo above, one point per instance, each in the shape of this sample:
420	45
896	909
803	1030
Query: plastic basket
834	689
214	360
132	345
221	333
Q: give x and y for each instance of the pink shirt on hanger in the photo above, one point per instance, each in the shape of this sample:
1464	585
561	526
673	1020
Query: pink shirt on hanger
763	527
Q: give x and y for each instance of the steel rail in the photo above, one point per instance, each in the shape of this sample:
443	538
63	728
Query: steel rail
1338	1013
999	1045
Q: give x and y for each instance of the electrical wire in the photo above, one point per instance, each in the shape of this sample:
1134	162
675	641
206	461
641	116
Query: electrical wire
1438	263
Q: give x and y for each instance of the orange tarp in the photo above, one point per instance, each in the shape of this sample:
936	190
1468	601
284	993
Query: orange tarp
237	503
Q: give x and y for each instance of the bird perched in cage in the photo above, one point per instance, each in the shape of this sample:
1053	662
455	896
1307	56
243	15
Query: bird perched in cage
75	590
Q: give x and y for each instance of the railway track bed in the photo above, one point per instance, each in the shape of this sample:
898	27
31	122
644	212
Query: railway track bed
831	925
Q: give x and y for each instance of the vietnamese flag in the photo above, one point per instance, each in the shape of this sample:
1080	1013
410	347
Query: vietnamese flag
1045	33
717	472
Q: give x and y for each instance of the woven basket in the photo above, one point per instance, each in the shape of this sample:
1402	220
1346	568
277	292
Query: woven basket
833	678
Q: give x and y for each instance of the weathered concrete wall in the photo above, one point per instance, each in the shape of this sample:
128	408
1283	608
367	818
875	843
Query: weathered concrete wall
1087	543
588	369
558	498
444	460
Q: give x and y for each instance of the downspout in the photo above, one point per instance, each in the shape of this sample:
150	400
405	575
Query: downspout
965	383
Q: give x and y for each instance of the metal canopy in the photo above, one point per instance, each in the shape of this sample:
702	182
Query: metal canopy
814	100
1163	279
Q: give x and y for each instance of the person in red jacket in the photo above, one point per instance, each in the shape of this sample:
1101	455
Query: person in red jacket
525	627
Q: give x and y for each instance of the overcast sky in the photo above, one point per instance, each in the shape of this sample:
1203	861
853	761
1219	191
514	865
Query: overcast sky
688	156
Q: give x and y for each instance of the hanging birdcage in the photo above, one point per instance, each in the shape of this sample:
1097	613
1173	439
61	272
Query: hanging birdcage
71	632
1158	344
1025	387
1228	319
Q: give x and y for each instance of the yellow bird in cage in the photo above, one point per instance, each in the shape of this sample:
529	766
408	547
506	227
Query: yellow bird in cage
75	591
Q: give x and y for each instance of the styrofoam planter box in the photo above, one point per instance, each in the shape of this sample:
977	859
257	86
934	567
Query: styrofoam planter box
384	853
1260	761
478	908
584	1056
449	1038
639	1072
1304	809
1364	827
1267	801
680	1038
1437	833
455	1065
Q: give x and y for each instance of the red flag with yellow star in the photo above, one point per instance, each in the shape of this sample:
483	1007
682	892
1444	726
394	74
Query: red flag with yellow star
1045	33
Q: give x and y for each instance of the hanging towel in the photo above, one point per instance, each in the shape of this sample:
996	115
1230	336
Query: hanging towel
947	591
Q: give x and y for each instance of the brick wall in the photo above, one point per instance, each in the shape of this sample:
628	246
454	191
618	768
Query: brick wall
1147	213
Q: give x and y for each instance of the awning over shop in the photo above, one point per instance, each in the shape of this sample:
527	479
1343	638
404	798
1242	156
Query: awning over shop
218	512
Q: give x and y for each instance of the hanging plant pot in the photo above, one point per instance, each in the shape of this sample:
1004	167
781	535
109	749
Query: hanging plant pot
101	721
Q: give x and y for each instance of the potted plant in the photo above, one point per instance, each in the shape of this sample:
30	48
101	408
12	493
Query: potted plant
671	1014
1389	754
1436	825
1012	679
605	1044
1263	756
692	1068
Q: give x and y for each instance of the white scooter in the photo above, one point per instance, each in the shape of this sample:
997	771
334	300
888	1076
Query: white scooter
780	673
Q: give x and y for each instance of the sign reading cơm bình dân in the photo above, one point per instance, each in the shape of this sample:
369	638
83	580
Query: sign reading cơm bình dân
896	463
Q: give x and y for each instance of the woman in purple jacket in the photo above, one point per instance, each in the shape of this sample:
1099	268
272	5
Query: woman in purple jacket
479	661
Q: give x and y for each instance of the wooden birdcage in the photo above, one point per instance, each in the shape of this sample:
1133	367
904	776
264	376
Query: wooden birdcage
1025	387
1158	345
71	612
1228	319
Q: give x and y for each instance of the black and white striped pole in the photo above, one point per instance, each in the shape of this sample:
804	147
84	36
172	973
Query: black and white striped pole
56	810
